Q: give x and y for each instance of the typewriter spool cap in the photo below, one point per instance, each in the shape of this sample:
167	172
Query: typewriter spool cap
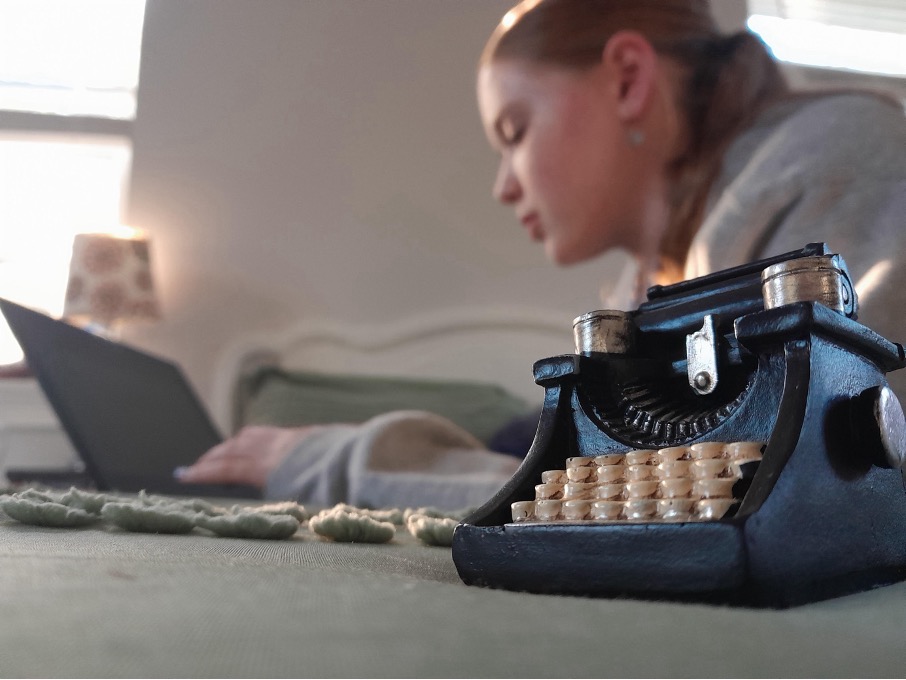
816	278
604	331
822	513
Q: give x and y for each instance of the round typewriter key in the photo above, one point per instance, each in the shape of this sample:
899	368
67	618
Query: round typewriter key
713	488
638	473
641	489
610	473
576	510
548	491
578	490
675	488
672	470
640	508
744	452
736	467
675	509
704	450
579	461
548	511
581	474
713	508
607	492
609	510
554	477
640	457
709	468
609	459
672	453
523	511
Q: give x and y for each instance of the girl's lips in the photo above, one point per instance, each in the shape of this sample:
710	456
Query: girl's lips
533	225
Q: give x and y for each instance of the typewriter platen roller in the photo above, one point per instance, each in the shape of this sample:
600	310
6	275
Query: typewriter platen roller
734	440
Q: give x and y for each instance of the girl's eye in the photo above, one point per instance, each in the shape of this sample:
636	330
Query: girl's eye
510	132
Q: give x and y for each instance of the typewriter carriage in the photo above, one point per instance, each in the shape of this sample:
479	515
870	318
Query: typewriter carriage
740	355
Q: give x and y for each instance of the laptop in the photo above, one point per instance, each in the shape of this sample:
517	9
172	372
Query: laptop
132	417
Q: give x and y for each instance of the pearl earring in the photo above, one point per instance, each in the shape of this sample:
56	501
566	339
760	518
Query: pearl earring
636	137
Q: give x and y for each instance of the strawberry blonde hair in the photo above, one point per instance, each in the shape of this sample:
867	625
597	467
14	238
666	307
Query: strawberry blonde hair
727	81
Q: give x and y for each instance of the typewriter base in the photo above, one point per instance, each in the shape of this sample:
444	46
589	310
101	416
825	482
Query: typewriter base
700	562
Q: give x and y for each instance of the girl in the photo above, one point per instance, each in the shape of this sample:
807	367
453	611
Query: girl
627	124
635	124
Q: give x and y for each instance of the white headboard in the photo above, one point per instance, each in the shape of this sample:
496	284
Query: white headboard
486	344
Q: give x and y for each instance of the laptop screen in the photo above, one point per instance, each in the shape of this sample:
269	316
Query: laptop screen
132	417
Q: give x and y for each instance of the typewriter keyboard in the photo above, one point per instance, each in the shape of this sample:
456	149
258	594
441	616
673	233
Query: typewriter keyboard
676	484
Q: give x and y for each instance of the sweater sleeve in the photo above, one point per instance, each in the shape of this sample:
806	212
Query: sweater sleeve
398	459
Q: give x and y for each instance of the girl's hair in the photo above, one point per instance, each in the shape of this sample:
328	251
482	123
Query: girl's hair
728	81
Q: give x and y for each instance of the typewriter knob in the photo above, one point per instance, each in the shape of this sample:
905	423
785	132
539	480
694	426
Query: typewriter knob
880	422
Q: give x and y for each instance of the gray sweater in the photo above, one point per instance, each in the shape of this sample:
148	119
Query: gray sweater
821	169
829	169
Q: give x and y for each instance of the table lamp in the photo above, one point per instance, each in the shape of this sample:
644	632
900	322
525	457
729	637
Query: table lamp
110	282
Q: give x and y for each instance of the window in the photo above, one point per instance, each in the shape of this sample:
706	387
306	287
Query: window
866	36
68	81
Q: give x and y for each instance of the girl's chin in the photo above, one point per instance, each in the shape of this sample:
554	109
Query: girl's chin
565	257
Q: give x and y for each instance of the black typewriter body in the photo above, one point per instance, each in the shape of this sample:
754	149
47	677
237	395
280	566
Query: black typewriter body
717	360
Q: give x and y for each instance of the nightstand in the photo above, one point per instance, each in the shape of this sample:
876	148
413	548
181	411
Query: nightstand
30	433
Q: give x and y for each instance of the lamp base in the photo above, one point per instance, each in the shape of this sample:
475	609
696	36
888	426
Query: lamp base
17	369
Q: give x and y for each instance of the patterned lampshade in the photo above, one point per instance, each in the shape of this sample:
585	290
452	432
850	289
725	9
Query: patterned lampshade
110	281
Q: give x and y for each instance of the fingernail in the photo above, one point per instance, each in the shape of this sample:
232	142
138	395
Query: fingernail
180	472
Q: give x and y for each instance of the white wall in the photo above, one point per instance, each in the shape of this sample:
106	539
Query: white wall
311	158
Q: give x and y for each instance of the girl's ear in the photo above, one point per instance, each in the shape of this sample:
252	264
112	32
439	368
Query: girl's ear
630	61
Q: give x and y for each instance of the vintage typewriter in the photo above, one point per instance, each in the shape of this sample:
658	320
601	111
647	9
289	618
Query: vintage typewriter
732	440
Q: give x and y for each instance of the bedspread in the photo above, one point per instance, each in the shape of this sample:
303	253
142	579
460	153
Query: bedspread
99	602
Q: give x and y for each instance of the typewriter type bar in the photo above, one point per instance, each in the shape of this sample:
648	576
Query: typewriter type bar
733	440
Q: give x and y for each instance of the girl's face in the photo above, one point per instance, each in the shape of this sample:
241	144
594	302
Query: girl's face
566	164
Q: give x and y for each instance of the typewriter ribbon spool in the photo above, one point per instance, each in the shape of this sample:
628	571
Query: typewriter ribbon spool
606	331
819	278
775	481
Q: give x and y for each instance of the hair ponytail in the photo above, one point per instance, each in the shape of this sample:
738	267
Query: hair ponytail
731	79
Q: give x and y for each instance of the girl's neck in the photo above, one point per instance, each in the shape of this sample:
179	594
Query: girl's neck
647	250
647	272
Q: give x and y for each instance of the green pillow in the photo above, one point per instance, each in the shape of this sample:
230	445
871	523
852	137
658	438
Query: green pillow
273	396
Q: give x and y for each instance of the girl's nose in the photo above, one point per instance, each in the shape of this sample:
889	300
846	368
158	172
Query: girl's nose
506	186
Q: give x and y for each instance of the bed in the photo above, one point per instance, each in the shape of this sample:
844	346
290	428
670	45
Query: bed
462	358
196	605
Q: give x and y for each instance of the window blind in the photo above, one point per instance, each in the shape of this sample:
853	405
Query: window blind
867	36
887	16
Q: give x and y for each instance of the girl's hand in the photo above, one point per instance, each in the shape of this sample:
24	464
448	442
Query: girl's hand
248	457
